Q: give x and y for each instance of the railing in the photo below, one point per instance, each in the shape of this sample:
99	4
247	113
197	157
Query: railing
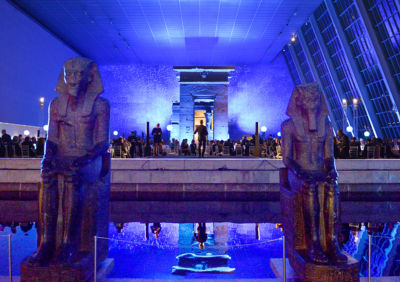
370	237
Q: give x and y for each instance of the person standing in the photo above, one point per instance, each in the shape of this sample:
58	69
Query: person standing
132	139
6	139
202	137
343	144
157	139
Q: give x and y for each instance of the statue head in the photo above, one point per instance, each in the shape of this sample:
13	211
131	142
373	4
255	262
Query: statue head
308	102
79	76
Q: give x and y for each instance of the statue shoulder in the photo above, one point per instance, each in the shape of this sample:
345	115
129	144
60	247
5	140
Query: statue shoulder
102	104
54	105
287	125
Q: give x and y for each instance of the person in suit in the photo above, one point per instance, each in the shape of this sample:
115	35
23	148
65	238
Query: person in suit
202	137
157	139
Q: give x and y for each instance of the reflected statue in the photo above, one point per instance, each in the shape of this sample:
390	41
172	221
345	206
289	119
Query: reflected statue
309	188
75	186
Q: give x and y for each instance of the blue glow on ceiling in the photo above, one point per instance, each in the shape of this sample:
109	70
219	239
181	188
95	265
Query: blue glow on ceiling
176	32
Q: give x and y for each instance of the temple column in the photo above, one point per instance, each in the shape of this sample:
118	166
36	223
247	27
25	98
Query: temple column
208	124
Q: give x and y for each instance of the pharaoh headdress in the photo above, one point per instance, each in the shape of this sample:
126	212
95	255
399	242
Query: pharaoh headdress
95	86
295	112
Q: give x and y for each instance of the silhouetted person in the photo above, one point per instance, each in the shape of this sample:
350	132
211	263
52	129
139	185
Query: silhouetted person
27	142
119	227
185	148
201	235
193	148
343	144
157	139
156	229
6	140
40	146
5	137
202	137
132	139
355	143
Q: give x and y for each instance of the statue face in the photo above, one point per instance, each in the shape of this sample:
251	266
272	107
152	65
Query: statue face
309	101
75	77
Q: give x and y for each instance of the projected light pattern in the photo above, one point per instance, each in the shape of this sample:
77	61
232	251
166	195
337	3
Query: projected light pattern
259	93
140	93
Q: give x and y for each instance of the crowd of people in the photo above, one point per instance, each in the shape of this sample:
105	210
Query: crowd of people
134	146
19	146
371	148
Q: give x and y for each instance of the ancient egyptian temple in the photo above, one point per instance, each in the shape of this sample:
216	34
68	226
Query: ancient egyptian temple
203	95
200	140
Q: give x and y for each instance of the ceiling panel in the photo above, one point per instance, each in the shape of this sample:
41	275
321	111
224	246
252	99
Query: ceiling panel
176	32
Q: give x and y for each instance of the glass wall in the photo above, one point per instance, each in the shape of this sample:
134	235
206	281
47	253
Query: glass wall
291	66
367	63
385	18
335	50
305	68
323	73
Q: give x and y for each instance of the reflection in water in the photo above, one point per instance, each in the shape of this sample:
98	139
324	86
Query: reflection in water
228	248
203	260
243	248
385	251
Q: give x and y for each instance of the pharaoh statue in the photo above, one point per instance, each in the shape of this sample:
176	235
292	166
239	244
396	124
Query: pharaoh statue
309	189
75	186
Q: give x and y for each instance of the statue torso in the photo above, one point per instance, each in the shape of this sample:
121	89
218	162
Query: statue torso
76	131
308	148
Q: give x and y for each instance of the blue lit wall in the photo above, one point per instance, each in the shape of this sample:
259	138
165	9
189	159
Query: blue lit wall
140	93
32	60
259	93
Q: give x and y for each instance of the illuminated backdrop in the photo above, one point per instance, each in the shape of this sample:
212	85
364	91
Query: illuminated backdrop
140	93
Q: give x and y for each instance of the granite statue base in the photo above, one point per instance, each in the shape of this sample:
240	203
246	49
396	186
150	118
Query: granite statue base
64	273
296	242
311	272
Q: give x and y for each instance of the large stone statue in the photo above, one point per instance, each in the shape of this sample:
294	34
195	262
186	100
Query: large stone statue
309	189
75	187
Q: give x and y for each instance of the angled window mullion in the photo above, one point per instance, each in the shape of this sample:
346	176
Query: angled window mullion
319	79
296	63
391	85
356	65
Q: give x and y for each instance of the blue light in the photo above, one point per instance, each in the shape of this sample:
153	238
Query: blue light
367	134
115	133
140	93
279	134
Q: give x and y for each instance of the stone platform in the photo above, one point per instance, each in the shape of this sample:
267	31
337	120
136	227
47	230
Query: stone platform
228	188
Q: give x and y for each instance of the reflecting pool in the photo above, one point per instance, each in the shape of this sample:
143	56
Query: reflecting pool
209	250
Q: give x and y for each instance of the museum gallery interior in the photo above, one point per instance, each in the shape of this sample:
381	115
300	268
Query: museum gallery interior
200	139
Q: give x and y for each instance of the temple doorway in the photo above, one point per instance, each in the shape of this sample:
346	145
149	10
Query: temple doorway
198	116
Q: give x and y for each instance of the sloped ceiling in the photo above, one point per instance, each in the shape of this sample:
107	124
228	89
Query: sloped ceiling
176	32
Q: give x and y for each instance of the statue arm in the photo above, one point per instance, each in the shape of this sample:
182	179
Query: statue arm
52	139
101	133
329	160
287	150
102	128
